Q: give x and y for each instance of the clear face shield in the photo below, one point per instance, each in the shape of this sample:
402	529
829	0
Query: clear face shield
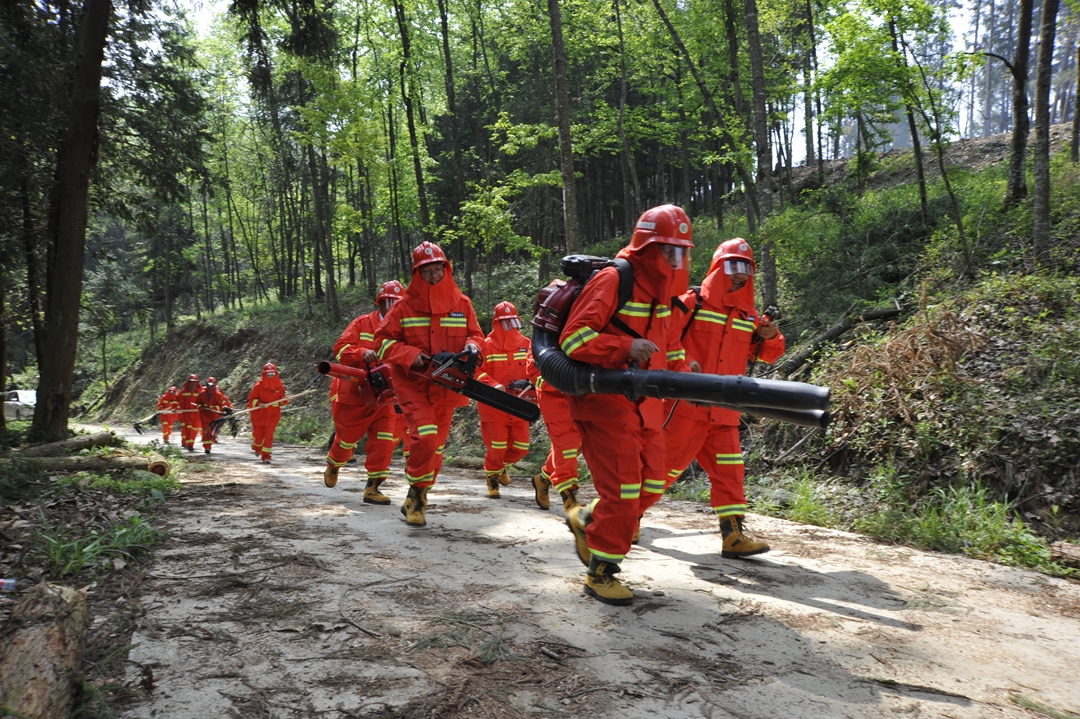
271	373
678	257
511	324
738	267
386	303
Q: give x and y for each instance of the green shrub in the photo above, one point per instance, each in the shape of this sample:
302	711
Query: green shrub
67	554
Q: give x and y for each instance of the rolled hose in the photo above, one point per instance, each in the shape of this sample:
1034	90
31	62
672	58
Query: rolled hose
793	402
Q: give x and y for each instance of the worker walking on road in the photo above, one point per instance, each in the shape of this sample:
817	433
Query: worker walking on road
190	417
265	416
433	317
506	437
622	439
212	404
352	417
168	407
721	331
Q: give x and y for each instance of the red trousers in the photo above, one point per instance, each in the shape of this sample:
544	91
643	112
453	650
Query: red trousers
561	467
507	441
262	435
190	426
167	425
428	426
716	447
209	437
353	421
624	457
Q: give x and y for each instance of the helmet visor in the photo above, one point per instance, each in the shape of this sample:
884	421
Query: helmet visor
511	324
677	256
738	267
388	301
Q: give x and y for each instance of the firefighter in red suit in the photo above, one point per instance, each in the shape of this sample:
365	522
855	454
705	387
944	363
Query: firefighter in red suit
190	422
352	418
168	406
623	440
506	354
722	336
212	404
561	466
264	415
433	317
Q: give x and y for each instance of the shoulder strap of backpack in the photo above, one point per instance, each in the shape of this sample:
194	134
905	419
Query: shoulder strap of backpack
697	308
626	290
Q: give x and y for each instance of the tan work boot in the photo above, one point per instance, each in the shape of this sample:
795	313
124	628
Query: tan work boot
736	544
504	477
577	518
329	477
492	486
600	582
541	487
414	506
372	495
569	499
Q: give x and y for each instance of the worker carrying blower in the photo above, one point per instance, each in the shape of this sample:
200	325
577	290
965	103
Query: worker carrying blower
356	414
433	317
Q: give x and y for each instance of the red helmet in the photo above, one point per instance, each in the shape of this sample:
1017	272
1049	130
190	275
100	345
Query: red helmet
269	369
665	225
394	290
427	253
193	378
210	381
506	311
736	250
173	390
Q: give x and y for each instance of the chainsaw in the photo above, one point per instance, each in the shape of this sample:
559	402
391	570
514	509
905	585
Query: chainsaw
523	388
373	382
454	370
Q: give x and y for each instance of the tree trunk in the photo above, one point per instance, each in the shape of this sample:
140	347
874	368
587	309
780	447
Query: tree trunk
566	150
1016	184
407	91
628	157
1074	145
455	134
41	651
765	186
913	128
66	446
75	161
987	94
156	465
1043	75
30	241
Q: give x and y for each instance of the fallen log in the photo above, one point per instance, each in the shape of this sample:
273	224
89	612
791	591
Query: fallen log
158	465
67	446
847	321
41	649
1066	553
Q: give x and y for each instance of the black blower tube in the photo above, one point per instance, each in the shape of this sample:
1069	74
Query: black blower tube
793	402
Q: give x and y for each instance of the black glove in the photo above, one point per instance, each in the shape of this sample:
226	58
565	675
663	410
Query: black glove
227	411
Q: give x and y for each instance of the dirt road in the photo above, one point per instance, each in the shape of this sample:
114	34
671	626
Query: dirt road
278	597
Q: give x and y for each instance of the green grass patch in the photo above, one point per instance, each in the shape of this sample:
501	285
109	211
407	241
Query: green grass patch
68	553
139	483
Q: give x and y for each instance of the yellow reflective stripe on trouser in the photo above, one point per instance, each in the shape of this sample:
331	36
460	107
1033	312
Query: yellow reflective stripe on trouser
348	445
570	483
654	486
521	445
440	449
630	491
384	346
569	454
729	509
729	459
385	436
422	478
427	429
498	445
338	355
382	474
331	462
577	339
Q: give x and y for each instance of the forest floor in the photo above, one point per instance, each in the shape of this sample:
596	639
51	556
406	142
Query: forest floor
278	597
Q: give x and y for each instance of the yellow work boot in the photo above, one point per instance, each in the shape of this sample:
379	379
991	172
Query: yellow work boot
372	495
414	506
576	519
329	477
504	477
541	487
736	544
492	486
600	582
569	499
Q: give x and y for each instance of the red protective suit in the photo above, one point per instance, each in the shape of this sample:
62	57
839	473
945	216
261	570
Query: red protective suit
265	416
429	319
352	418
506	437
168	406
212	403
561	466
190	417
720	337
622	440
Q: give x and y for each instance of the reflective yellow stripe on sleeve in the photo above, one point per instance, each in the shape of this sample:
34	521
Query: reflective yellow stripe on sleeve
578	338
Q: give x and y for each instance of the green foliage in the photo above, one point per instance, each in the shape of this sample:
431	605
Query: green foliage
68	552
139	483
807	505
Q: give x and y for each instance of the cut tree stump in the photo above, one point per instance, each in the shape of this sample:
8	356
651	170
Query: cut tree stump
41	649
67	446
158	465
